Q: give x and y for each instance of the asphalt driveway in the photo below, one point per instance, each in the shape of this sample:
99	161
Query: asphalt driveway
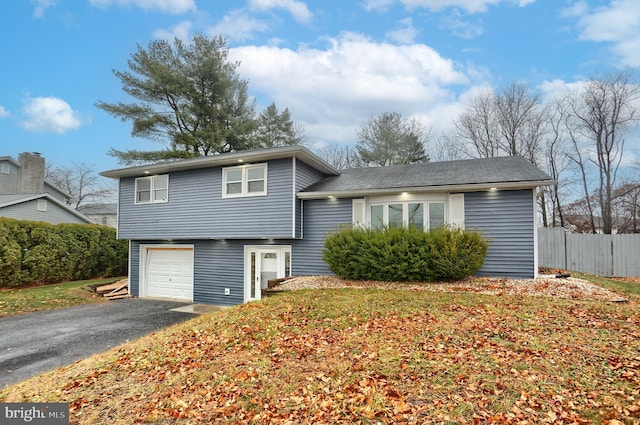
36	342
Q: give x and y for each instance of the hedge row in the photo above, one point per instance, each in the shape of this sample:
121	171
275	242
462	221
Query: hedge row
37	252
405	254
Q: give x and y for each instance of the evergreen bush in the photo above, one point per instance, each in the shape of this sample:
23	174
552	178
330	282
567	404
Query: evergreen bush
37	252
405	254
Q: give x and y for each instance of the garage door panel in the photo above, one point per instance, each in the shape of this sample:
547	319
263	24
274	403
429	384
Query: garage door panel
169	273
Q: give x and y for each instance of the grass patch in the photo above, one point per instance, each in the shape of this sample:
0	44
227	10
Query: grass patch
366	356
628	288
48	297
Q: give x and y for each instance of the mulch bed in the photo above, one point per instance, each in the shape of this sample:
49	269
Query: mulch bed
567	288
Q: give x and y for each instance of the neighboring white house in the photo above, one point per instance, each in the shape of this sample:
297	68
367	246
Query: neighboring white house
104	214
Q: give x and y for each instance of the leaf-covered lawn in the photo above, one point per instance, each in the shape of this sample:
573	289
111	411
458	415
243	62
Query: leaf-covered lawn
367	356
48	297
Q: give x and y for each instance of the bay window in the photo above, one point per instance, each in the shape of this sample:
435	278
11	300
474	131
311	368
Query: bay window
420	215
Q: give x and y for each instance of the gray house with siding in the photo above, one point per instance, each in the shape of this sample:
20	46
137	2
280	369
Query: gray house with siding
215	229
26	195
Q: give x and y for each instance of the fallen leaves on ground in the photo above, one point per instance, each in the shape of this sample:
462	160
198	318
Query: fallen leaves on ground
367	356
568	288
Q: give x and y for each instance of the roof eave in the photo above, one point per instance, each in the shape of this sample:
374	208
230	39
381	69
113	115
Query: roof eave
233	158
476	187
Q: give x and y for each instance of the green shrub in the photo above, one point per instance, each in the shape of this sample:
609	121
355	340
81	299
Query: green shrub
405	254
41	252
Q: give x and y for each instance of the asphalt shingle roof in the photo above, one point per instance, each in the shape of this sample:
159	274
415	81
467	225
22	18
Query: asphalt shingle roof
511	169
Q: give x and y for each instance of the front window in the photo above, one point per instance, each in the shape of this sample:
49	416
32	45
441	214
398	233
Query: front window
395	215
416	215
420	215
377	216
436	214
245	180
152	189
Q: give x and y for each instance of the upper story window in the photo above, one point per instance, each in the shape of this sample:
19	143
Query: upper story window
245	180
4	168
152	189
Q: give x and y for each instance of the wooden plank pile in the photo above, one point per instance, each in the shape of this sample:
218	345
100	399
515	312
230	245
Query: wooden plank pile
116	290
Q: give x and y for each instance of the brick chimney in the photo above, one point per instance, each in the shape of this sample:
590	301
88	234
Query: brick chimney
30	173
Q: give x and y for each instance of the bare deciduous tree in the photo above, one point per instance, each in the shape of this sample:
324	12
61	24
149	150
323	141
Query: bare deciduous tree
340	155
509	122
81	182
445	148
601	113
556	163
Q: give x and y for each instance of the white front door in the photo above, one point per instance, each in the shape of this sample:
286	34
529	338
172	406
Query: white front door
263	263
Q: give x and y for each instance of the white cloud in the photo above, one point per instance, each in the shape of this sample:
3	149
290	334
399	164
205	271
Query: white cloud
298	10
470	6
238	25
557	89
49	115
41	6
334	91
577	9
405	33
181	31
3	112
460	27
166	6
617	24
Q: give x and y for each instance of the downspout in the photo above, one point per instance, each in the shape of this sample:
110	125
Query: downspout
293	202
535	233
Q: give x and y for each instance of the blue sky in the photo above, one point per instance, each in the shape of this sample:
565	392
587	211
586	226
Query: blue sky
333	63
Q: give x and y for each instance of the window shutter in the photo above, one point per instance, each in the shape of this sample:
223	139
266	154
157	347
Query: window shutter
358	213
456	210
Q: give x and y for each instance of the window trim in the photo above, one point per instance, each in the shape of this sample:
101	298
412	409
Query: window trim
42	205
244	181
5	168
152	189
405	201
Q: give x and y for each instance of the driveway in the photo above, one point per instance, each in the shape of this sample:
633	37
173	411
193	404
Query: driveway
36	342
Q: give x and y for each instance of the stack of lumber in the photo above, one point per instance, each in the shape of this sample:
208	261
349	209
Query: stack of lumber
116	290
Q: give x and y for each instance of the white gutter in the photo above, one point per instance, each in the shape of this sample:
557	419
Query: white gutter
416	189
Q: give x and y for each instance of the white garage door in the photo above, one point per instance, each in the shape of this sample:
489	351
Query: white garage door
169	272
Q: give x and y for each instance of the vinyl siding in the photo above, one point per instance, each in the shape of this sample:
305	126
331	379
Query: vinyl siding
9	182
506	217
217	265
196	209
134	268
29	211
321	217
54	192
305	176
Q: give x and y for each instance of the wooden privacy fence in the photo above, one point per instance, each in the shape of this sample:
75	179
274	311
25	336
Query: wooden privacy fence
600	255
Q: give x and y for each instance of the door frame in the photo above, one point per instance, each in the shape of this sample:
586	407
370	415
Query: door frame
279	250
